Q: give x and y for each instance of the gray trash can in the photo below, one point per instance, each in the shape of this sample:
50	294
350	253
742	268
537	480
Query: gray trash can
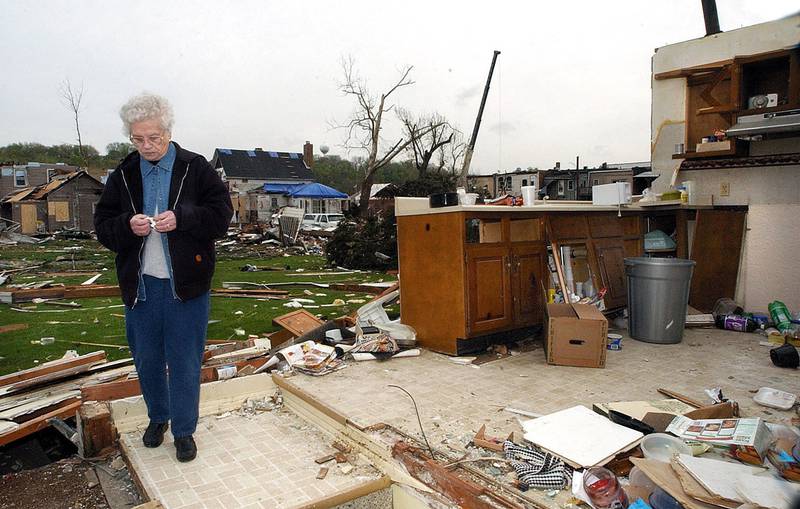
658	294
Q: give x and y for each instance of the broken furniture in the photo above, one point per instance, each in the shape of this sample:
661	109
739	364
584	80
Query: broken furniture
470	272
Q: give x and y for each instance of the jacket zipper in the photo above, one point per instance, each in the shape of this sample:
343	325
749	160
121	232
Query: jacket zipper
141	246
175	204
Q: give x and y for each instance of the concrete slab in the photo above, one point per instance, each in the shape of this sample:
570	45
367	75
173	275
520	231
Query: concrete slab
455	400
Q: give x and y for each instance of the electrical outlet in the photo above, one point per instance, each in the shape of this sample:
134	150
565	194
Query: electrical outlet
725	189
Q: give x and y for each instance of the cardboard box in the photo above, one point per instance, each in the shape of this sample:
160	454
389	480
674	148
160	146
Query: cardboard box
746	439
576	335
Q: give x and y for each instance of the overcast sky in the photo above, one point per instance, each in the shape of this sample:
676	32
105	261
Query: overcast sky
573	77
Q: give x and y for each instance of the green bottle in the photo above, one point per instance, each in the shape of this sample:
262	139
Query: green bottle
780	315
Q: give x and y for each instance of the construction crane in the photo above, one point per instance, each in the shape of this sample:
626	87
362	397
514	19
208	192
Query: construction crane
462	180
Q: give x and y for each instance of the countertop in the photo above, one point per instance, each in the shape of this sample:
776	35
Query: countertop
419	206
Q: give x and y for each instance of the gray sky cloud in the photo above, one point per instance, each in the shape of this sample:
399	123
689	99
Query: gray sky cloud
248	73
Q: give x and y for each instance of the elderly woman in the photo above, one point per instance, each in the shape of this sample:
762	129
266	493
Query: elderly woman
160	212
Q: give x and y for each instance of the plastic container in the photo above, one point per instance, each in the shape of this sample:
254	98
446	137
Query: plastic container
661	447
604	489
775	398
658	294
780	315
735	323
726	306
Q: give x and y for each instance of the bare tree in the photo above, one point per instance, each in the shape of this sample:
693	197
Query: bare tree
437	134
72	100
451	156
364	128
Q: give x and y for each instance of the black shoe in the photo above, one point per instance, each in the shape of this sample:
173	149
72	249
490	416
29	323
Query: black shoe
154	434
185	449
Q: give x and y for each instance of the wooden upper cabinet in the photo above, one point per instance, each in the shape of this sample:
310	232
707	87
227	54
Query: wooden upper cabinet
489	289
568	226
527	269
610	255
606	225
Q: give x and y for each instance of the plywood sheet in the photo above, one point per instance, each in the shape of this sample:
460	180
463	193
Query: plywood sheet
298	322
580	436
716	248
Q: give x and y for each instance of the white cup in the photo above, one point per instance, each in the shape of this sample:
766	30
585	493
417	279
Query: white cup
528	195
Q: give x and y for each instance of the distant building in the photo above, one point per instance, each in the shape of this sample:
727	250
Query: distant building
511	182
66	201
246	172
482	184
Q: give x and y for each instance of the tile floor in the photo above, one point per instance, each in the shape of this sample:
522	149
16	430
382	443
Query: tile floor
455	400
267	461
259	462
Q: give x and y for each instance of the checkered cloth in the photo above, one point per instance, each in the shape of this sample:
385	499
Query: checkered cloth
536	468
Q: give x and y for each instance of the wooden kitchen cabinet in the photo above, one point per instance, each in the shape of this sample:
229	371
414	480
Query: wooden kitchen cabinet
466	276
528	267
489	288
470	276
610	257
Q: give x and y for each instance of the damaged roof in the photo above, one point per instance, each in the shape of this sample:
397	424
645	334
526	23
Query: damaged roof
261	164
41	192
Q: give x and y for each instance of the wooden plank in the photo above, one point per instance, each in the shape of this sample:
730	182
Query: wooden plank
52	367
39	423
79	292
13	327
716	249
298	322
111	390
126	388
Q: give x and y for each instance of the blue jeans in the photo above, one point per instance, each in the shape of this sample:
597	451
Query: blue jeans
167	338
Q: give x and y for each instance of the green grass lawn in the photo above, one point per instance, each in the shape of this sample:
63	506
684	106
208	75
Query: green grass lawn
101	320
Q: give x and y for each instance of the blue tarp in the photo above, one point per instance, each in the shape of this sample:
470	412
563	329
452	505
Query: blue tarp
314	190
281	188
317	190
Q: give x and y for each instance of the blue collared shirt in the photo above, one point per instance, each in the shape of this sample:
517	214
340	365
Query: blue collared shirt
156	179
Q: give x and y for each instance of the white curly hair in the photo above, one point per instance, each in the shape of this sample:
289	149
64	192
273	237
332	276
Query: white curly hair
146	106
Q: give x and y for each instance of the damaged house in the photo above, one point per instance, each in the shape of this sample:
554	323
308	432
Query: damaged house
262	182
65	201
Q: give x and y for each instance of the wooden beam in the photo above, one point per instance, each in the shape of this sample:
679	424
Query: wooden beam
95	428
691	71
13	327
39	423
52	367
126	388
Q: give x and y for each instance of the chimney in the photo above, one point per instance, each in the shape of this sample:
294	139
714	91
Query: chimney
710	16
558	165
308	154
259	149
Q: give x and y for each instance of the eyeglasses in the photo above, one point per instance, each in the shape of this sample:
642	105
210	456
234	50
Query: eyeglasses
141	141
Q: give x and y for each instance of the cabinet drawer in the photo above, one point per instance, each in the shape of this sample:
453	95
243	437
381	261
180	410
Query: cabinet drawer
568	226
606	225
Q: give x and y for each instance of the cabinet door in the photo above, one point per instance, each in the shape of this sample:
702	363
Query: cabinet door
527	267
489	289
610	255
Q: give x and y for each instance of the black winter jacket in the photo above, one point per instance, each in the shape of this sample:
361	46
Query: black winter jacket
203	211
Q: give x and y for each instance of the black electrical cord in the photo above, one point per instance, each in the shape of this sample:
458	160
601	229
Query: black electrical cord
419	420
